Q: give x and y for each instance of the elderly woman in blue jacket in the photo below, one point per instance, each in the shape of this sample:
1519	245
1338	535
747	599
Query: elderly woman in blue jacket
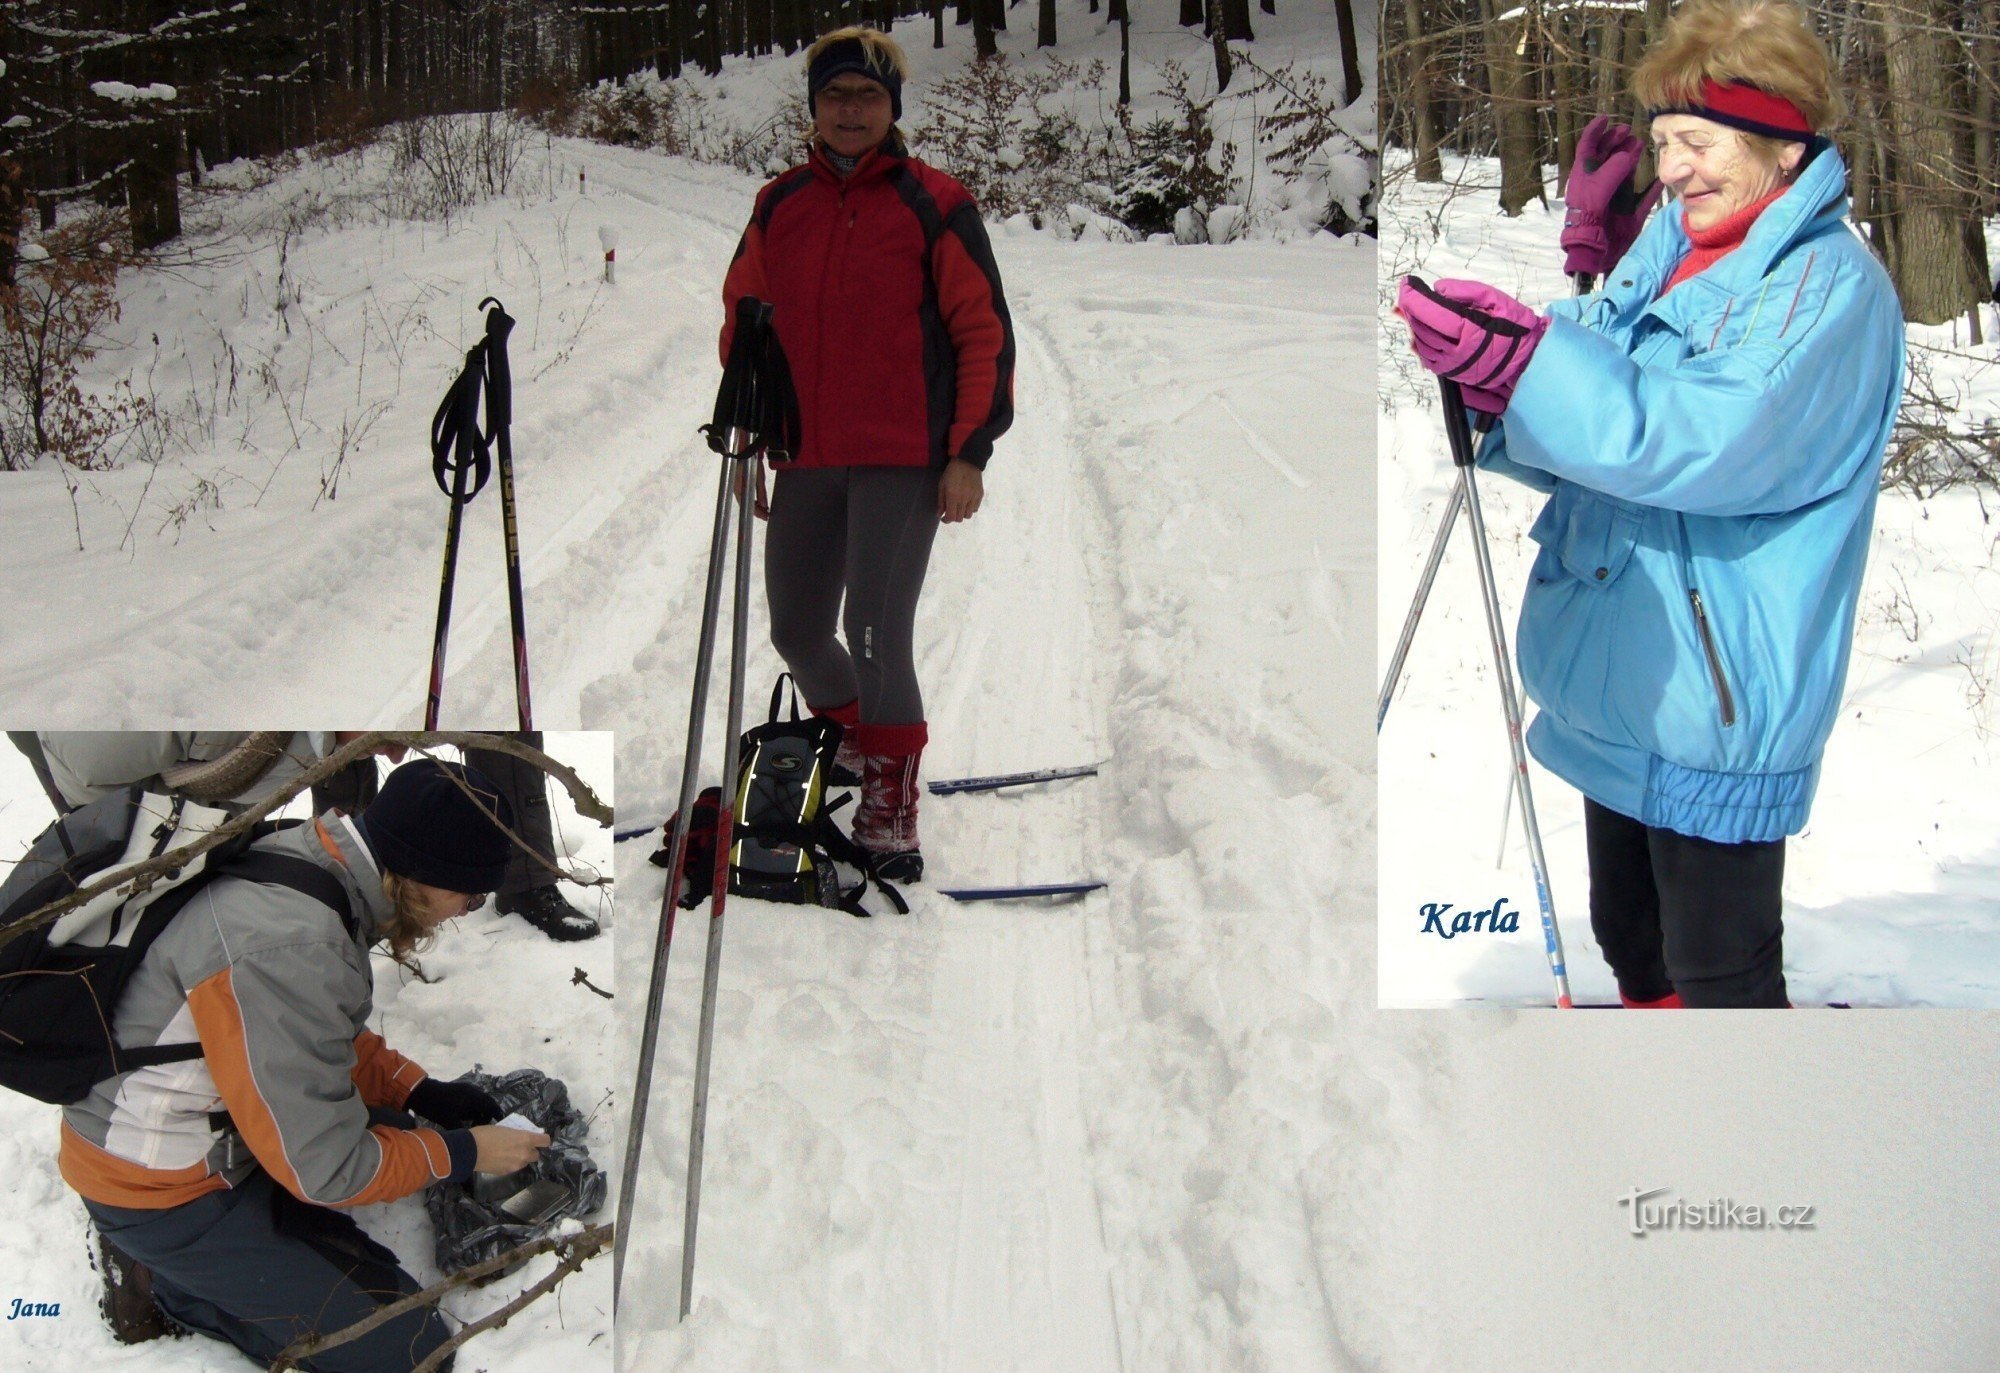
1709	429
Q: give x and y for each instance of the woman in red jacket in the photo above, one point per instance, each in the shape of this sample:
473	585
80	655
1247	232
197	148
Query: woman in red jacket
888	305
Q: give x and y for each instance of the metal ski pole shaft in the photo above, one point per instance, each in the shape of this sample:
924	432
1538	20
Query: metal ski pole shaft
718	897
1445	525
1459	431
499	416
677	851
457	452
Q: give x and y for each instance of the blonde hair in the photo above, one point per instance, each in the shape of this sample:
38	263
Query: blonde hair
1768	44
405	931
884	52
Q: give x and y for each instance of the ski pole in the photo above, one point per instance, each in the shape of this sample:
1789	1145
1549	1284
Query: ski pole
1445	524
755	414
499	416
719	891
459	455
635	1126
1458	430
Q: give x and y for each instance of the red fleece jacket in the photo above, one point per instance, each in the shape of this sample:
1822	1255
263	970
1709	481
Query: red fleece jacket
888	305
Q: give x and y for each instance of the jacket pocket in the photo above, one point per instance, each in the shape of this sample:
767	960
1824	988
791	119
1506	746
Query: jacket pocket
1725	702
1590	537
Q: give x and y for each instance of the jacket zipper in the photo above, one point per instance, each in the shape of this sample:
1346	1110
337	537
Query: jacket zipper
1722	697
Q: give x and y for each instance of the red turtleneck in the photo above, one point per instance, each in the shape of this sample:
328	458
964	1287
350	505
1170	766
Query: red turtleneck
1718	240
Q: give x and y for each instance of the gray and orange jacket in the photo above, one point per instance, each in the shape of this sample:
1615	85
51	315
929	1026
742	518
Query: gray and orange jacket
887	301
277	990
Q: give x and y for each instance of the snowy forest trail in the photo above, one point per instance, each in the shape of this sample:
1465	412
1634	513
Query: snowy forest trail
1088	1136
966	1138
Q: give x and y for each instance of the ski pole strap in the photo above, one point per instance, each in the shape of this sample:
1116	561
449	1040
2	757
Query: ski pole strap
499	376
756	406
458	450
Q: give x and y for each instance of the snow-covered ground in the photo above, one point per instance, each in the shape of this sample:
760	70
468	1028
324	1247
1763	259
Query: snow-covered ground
1084	1137
498	997
1892	893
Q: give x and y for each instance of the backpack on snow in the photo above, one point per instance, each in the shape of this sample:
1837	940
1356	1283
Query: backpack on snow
60	981
784	844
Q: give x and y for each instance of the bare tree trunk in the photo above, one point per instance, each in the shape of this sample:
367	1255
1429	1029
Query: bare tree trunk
1513	113
1220	41
983	44
1422	111
1045	28
1937	278
1350	60
1121	11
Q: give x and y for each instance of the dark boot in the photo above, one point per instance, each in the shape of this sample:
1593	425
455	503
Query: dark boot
128	1303
545	909
885	822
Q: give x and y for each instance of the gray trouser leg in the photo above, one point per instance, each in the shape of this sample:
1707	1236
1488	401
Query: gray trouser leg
862	533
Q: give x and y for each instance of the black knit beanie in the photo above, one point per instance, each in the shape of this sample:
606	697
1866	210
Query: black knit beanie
851	55
424	827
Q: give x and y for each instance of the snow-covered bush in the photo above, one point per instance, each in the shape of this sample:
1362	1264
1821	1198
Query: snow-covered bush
1318	145
1001	130
52	322
1171	162
668	116
451	162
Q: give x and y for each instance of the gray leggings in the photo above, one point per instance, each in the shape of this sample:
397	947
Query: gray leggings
865	533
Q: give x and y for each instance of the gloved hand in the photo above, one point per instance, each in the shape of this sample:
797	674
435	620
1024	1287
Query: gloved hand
1605	213
454	1105
1471	334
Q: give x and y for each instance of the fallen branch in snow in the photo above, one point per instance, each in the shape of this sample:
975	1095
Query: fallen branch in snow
572	1251
583	978
139	877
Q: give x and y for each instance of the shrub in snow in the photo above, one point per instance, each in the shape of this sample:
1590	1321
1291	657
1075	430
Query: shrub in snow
1226	223
1328	151
1000	130
447	163
1171	162
51	323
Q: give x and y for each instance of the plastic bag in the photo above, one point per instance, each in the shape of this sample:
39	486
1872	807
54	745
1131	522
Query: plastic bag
471	1222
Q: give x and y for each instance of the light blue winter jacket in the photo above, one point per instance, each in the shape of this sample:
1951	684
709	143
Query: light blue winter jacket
1712	459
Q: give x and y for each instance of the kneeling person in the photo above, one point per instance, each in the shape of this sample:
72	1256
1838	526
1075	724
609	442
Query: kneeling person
227	1176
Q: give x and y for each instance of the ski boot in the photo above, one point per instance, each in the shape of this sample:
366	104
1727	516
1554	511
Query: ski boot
885	823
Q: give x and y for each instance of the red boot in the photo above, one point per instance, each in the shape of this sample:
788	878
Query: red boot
885	823
847	762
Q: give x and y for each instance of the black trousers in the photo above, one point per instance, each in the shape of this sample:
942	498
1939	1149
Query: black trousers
1678	914
258	1268
526	788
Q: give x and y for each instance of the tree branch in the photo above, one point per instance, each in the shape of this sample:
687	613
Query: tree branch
573	1251
140	877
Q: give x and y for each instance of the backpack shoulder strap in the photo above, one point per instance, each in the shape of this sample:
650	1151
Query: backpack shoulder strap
275	869
299	875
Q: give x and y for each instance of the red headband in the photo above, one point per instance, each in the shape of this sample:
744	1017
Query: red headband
1746	108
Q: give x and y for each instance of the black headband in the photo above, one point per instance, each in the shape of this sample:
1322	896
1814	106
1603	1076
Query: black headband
851	55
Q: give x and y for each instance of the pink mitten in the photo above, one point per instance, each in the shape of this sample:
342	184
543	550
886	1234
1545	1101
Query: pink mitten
1470	333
